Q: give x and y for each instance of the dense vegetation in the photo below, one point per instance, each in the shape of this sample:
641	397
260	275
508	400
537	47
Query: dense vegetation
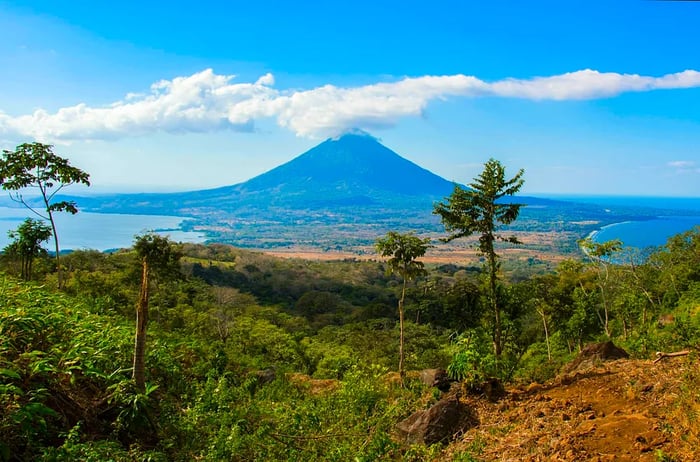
251	357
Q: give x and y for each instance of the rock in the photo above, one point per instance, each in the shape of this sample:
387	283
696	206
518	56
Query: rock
441	423
567	379
605	351
534	387
649	441
647	388
266	376
436	378
493	389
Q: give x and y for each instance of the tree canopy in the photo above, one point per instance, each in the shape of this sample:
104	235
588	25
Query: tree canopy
479	210
34	165
404	250
26	244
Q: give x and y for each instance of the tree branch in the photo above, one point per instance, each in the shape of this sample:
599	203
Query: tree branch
660	355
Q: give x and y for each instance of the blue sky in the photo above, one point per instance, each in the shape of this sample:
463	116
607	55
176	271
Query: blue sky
589	97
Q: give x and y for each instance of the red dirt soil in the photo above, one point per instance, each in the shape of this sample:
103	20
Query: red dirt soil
623	410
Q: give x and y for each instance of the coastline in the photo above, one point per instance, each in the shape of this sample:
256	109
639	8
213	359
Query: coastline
592	235
103	231
645	233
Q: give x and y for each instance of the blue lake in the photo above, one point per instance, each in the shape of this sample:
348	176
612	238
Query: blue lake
662	203
677	215
642	234
108	231
100	231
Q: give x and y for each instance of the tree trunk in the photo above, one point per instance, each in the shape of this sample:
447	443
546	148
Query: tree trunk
139	373
497	340
59	274
546	334
661	355
402	372
603	291
26	268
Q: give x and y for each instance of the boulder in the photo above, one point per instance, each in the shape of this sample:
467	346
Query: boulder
493	389
443	421
266	376
436	378
594	353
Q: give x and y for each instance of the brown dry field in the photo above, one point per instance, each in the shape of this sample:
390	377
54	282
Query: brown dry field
462	251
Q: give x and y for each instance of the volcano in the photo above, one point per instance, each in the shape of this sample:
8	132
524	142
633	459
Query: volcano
349	171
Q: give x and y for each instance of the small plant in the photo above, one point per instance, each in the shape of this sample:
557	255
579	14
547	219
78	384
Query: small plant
473	359
134	407
661	456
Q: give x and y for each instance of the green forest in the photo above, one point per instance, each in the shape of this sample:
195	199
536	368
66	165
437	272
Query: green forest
251	357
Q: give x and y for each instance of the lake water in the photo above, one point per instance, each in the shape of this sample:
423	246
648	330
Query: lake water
662	203
642	234
99	231
109	231
677	215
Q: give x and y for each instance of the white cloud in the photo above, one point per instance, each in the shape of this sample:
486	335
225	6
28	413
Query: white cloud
589	84
681	164
684	166
206	101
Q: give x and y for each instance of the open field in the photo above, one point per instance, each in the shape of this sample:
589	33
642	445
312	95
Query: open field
542	246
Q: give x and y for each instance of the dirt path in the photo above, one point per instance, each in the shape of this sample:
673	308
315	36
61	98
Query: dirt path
624	410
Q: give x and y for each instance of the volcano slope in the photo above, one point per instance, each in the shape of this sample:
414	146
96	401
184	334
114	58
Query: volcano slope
622	410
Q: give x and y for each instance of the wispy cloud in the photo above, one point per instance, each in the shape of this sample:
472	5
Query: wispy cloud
206	101
684	166
681	164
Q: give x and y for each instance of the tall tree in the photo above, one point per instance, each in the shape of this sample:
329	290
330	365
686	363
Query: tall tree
403	250
602	254
34	165
26	244
480	210
158	257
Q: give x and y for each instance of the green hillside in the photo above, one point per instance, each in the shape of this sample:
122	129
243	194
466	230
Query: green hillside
251	357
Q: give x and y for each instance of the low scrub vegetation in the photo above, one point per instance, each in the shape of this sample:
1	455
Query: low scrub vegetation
251	357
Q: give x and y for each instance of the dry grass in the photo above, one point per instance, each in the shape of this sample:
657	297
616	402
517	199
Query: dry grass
462	251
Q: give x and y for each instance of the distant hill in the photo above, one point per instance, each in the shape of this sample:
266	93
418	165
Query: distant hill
349	171
354	165
354	169
344	192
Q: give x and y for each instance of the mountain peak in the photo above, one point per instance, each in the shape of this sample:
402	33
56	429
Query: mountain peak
352	165
354	132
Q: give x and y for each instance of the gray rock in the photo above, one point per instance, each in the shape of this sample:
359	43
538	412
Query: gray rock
436	378
266	376
446	419
595	353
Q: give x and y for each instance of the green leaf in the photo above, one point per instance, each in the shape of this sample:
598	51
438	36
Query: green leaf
10	373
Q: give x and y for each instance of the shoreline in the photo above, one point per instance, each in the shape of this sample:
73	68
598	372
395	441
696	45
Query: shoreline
104	231
692	221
